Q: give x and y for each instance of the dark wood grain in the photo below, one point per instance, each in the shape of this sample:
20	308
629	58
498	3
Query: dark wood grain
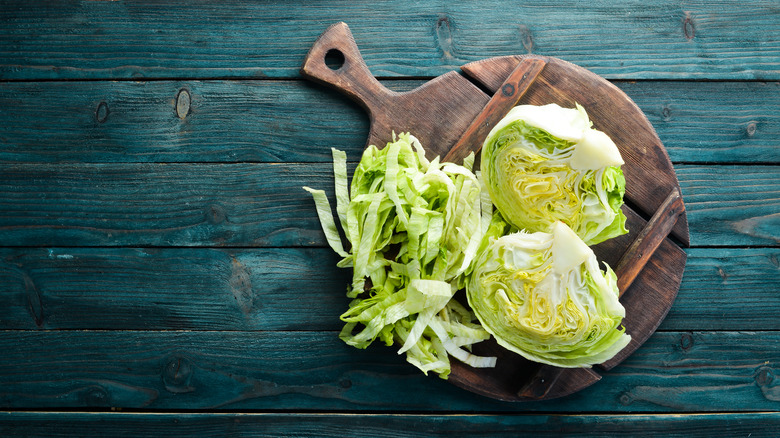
303	370
337	425
437	113
253	289
724	287
262	121
142	39
712	122
161	204
649	172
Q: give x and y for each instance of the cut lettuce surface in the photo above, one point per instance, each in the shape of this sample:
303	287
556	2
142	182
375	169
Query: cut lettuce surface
543	296
413	228
544	164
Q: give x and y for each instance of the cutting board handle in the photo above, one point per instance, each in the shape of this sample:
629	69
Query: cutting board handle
347	72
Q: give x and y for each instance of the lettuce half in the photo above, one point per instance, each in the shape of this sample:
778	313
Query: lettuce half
543	296
544	164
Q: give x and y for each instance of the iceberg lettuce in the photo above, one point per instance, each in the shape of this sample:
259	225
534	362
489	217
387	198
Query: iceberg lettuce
543	296
544	164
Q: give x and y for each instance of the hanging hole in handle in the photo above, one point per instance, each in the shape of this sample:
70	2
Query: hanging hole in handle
334	59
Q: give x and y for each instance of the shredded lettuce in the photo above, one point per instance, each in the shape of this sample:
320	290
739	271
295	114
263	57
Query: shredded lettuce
544	164
543	296
414	228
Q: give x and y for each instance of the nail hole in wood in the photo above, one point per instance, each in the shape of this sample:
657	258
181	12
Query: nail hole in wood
508	90
334	59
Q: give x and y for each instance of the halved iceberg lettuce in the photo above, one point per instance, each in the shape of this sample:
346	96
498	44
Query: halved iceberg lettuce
544	164
543	296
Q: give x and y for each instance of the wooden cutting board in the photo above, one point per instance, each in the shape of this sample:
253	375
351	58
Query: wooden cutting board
441	111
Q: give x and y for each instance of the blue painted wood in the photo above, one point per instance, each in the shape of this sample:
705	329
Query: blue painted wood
295	121
730	204
156	252
727	289
101	424
305	370
635	39
226	121
264	205
171	289
298	289
161	204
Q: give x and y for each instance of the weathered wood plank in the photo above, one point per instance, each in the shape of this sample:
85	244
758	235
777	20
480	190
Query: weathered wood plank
731	204
160	205
137	39
264	205
178	289
265	121
295	121
672	372
66	424
298	289
712	122
728	289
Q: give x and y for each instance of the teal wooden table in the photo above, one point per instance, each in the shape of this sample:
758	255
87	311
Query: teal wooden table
163	273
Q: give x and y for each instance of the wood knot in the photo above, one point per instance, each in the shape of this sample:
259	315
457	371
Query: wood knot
443	31
96	396
750	129
508	90
177	375
764	376
689	29
686	341
526	38
666	113
183	102
101	112
215	214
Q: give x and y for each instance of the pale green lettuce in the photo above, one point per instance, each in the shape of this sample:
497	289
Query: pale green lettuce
543	296
544	164
414	227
